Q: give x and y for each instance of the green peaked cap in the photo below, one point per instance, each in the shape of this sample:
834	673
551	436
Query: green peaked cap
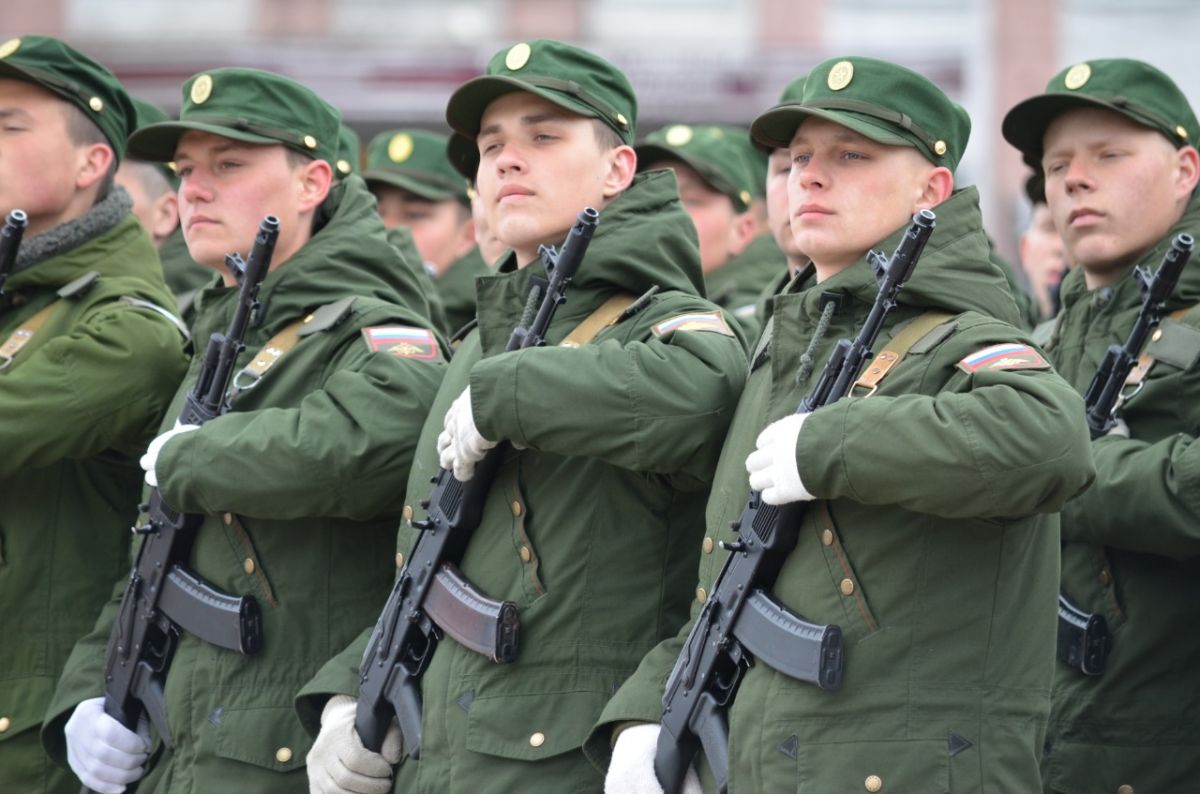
416	161
711	151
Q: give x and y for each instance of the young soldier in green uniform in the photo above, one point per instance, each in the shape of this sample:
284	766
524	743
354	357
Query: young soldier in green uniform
930	536
591	525
1114	141
88	363
417	188
297	482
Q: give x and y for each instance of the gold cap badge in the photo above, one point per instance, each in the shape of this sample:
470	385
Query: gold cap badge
840	75
202	89
9	47
1077	76
518	56
679	135
400	147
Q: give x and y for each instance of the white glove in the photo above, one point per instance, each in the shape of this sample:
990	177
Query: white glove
1119	429
631	770
460	446
104	754
772	466
339	764
149	460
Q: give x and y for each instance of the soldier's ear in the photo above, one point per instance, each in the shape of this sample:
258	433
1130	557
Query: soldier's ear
622	166
1187	171
94	161
315	180
939	184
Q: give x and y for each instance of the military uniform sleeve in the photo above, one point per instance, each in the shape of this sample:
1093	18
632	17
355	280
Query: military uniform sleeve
1154	487
340	452
339	676
659	405
103	386
992	444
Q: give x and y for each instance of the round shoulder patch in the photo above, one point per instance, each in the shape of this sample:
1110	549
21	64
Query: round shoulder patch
9	47
202	89
840	75
518	56
1077	76
400	147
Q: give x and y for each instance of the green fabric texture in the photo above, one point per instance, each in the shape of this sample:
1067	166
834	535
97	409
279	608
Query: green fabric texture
305	467
247	105
1132	88
619	439
86	84
755	157
348	155
83	398
883	101
422	290
457	289
416	161
737	285
1131	549
932	543
710	151
570	77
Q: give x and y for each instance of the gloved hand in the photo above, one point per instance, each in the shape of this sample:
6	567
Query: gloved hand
772	466
104	754
339	764
460	446
631	770
149	460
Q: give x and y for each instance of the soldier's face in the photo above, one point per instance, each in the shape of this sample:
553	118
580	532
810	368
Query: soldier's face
40	167
441	230
1043	257
779	167
712	214
226	187
846	192
1114	187
538	167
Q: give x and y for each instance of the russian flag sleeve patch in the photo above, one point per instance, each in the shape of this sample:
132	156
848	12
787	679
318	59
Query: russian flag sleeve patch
1009	355
402	341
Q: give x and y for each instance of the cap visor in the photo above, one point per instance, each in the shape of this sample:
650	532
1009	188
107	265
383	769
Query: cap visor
413	185
464	111
1025	125
651	153
157	142
778	126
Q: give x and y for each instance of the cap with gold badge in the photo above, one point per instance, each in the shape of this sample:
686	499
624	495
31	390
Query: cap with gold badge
711	151
572	78
416	161
348	153
1132	88
55	66
883	101
246	105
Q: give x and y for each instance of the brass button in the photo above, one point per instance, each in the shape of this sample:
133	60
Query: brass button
1156	335
537	740
1125	789
310	142
939	149
516	508
624	122
526	554
399	559
5	724
248	565
408	513
227	518
283	755
701	596
1181	131
847	586
873	783
96	104
309	319
1105	578
708	545
827	537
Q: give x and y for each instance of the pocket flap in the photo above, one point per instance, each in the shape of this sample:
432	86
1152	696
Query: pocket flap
922	766
272	738
1085	768
533	726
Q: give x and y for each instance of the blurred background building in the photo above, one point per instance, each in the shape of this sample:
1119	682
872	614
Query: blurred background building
391	62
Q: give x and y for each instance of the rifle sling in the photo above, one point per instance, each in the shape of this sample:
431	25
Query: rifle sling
1146	360
603	317
898	348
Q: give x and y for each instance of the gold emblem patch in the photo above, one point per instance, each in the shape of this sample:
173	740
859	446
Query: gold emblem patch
1077	76
202	89
400	147
9	47
840	75
518	56
679	135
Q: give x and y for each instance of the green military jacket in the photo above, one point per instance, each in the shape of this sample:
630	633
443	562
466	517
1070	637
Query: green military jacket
419	289
590	527
298	486
1131	549
80	402
185	277
737	285
932	543
457	289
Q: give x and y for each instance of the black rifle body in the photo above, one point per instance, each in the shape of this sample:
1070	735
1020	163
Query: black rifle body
163	598
10	242
430	591
740	620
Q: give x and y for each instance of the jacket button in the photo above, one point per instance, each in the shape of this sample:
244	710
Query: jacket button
248	565
708	545
526	554
847	587
1105	578
516	508
408	513
283	755
227	518
1125	789
701	596
537	740
827	537
873	783
5	724
399	559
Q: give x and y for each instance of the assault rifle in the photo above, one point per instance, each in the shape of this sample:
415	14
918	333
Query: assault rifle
10	241
1083	638
431	596
741	621
163	598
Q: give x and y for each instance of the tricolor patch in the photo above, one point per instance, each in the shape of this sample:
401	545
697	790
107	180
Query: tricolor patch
701	321
1010	355
402	341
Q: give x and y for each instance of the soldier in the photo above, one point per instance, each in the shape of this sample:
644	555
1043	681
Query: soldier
930	536
1043	259
592	521
417	188
1113	139
297	482
89	358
